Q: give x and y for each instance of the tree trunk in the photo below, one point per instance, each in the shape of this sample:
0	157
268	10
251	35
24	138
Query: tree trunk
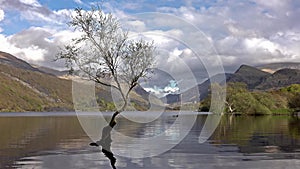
118	112
113	118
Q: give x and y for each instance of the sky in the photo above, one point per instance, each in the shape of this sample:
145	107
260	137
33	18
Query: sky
236	32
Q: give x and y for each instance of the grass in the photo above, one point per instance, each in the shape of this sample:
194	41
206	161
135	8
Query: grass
56	93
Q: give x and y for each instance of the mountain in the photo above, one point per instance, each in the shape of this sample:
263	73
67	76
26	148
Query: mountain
8	59
248	75
172	98
158	78
253	77
281	78
26	88
199	92
273	67
51	71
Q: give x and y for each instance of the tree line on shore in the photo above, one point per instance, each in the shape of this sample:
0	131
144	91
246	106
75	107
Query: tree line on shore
240	100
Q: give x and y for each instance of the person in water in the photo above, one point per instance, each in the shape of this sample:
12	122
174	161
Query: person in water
105	142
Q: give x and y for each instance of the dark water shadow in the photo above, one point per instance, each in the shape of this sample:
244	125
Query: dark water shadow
106	140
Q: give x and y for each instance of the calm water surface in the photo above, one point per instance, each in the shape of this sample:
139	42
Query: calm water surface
50	141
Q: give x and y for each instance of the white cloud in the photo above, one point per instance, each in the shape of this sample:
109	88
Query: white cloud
31	53
1	15
187	13
78	2
36	16
161	39
173	55
32	10
254	43
37	45
56	17
236	30
31	2
246	33
273	4
236	50
135	25
242	32
171	88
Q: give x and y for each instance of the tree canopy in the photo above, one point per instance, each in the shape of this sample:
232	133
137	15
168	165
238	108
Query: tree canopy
104	54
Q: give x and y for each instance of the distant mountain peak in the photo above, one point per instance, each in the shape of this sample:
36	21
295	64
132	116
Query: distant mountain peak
8	59
287	71
7	56
248	75
281	78
11	60
246	69
273	67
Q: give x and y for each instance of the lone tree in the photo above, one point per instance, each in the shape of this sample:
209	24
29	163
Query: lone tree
105	54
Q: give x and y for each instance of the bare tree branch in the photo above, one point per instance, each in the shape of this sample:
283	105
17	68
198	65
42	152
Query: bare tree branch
104	51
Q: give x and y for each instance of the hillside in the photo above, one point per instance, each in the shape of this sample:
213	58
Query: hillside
280	78
25	88
240	100
50	71
273	67
8	59
201	91
254	78
248	75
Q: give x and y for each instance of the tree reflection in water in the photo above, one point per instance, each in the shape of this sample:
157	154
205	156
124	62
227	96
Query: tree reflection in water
106	140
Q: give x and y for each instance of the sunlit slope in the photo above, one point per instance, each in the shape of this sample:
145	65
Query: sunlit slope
25	88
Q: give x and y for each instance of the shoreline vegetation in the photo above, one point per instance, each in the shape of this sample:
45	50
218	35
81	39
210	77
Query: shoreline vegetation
241	101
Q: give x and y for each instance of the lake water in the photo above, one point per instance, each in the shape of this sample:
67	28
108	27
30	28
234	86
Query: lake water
49	141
